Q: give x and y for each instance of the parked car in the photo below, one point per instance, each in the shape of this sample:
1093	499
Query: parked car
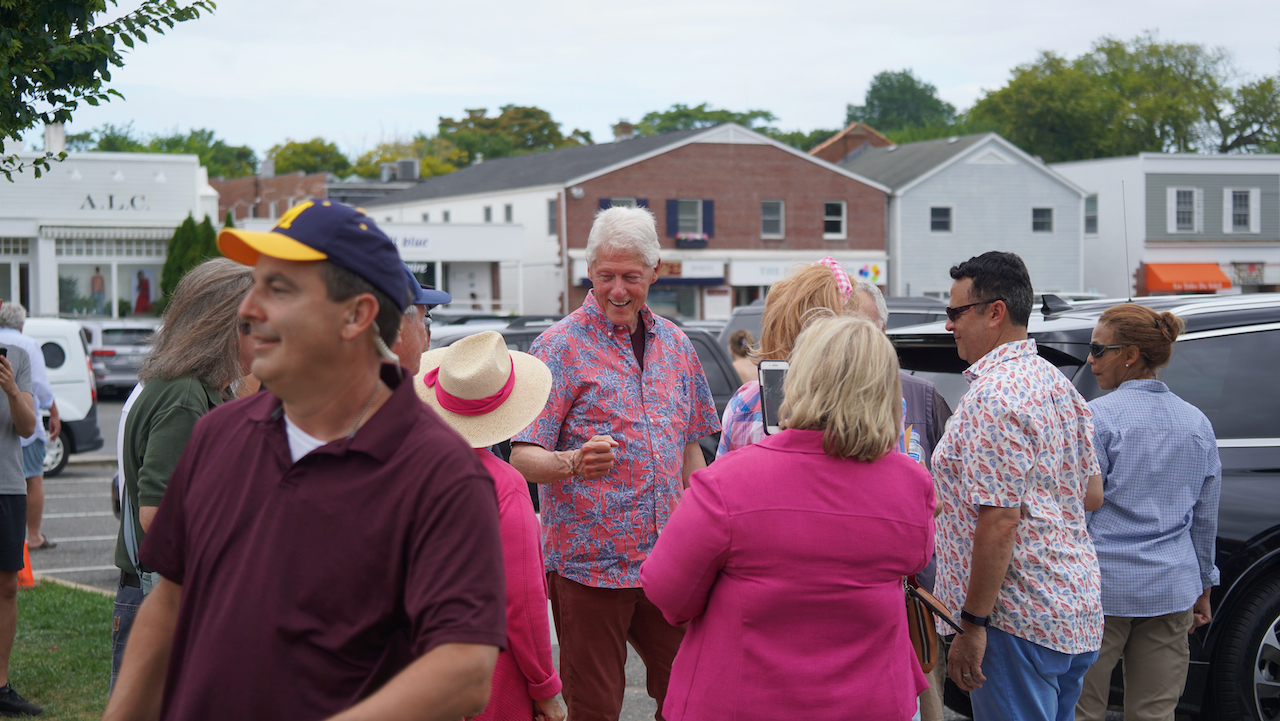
66	356
1224	364
118	348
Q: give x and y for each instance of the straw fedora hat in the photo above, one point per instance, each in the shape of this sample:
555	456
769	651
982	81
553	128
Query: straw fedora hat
471	385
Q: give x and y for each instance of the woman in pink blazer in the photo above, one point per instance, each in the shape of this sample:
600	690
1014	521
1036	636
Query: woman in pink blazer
787	557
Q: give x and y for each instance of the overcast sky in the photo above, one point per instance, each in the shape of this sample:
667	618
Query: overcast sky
260	71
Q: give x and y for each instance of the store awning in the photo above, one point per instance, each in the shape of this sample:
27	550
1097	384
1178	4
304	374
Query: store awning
1186	277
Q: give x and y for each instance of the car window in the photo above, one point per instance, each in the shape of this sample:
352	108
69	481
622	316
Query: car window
126	336
54	355
1231	379
720	385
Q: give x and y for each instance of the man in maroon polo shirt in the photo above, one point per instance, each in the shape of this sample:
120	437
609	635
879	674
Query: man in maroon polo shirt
329	549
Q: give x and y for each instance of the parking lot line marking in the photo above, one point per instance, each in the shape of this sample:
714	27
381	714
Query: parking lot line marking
79	495
80	569
87	514
85	539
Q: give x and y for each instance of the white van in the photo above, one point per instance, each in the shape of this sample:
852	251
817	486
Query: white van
66	356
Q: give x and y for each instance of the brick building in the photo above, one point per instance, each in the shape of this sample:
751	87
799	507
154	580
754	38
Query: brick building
848	143
735	211
266	196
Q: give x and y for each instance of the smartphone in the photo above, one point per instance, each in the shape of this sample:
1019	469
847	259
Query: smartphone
772	375
4	352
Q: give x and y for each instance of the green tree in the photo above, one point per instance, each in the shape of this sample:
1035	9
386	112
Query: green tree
54	55
222	160
798	138
683	117
514	131
899	100
208	245
435	156
183	247
1122	98
962	126
230	220
309	156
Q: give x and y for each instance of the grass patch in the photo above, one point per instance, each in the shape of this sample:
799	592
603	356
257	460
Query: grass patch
62	654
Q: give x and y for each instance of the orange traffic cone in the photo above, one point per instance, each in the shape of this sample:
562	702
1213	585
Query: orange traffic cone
26	579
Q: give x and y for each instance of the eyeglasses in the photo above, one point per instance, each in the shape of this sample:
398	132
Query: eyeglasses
426	319
1097	349
955	313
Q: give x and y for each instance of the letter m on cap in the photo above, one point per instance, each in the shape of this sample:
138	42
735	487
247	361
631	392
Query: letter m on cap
286	220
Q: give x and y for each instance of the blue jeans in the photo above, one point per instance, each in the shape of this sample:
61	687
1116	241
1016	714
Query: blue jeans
1028	682
128	599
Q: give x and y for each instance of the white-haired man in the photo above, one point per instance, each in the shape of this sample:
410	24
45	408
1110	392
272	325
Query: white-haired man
612	450
12	319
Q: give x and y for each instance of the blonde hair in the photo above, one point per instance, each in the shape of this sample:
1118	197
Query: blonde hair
844	382
792	303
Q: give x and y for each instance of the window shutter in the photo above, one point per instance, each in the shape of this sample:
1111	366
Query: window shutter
1200	210
673	218
606	203
642	202
1228	210
1255	210
1171	210
709	218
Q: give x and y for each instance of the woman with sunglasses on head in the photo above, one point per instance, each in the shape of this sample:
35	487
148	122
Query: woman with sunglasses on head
1156	529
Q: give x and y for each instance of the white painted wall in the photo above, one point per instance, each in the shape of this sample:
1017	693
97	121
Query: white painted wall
1106	270
992	204
532	270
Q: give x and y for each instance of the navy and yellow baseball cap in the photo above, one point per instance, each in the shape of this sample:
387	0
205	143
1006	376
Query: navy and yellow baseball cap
320	229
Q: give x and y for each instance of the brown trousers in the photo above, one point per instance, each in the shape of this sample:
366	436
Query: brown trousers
1155	655
594	626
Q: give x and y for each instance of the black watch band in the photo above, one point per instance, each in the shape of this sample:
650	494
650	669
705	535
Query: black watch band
975	620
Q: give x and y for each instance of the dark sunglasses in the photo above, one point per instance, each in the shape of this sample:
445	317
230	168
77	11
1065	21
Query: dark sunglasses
1097	349
955	313
426	319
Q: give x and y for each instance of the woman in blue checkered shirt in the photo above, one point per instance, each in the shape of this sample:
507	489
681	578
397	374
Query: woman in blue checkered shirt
1156	528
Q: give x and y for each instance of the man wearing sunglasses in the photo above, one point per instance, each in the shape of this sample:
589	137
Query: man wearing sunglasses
415	324
1012	468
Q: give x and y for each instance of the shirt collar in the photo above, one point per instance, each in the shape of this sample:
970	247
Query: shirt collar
1000	354
382	432
794	440
1145	384
597	316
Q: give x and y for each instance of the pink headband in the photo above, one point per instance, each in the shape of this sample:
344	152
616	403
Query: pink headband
467	406
842	278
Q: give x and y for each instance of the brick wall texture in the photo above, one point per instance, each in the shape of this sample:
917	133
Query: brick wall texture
240	195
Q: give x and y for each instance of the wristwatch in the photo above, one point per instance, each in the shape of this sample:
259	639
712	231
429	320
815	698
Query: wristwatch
975	620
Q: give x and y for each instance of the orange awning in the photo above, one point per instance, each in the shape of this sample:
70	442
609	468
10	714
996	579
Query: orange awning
1186	277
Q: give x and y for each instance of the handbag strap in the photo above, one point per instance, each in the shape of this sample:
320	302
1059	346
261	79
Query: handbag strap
930	602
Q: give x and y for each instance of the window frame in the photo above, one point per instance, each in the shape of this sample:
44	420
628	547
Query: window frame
781	218
1171	210
488	213
1093	216
1051	229
843	218
951	219
1254	224
622	202
426	217
553	216
446	217
508	213
680	216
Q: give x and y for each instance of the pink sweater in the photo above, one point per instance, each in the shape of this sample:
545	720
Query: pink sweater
525	671
788	564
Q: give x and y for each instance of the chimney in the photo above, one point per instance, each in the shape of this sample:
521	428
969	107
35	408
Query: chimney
268	168
407	169
623	131
55	138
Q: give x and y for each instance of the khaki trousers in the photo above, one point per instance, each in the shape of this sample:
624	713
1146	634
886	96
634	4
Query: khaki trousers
1155	653
931	698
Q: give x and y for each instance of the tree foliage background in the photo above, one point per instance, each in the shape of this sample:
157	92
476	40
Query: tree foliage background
222	160
1122	98
192	244
310	156
898	100
515	130
55	56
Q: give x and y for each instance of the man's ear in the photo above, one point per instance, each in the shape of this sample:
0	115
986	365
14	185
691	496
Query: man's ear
999	312
361	312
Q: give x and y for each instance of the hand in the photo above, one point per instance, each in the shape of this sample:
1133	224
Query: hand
549	709
8	383
964	663
594	459
55	424
1202	613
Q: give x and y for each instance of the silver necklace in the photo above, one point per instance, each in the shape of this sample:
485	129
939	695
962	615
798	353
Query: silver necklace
377	386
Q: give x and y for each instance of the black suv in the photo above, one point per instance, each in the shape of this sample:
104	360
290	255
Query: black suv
1226	365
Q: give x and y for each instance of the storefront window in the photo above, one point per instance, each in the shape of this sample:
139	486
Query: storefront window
674	301
138	289
83	289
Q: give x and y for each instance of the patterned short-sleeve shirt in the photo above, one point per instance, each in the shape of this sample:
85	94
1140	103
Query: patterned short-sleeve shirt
597	533
1023	437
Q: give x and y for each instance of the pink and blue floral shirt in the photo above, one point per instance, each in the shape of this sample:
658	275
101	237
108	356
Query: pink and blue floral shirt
597	533
1022	436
